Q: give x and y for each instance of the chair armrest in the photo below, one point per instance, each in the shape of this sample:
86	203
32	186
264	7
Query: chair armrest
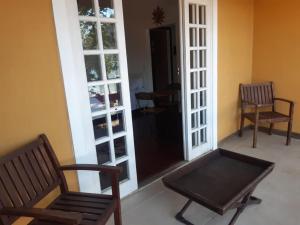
284	100
292	105
112	170
45	214
89	167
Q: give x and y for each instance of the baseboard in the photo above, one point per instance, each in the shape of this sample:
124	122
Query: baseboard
261	129
229	137
277	132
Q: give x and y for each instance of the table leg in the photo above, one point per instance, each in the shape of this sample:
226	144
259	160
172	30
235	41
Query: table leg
247	200
179	215
254	201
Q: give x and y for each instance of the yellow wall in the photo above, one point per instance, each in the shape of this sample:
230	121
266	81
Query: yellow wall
235	60
31	93
277	49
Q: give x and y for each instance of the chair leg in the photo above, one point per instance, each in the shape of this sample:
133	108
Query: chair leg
271	128
118	215
255	135
242	126
289	133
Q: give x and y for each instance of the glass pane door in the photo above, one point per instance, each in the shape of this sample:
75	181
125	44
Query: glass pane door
198	76
101	28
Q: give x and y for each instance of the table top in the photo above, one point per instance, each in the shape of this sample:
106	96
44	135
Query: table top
219	179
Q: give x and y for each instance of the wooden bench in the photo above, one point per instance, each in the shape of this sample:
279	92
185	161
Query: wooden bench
261	96
30	173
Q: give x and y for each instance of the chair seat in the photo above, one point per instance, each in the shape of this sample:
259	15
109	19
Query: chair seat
95	208
268	117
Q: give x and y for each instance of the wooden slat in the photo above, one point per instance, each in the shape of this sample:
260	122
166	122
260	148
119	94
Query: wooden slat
255	94
4	197
87	222
251	94
42	165
24	177
260	97
17	182
37	170
271	92
264	94
45	222
97	196
242	93
10	188
86	199
91	217
77	209
96	205
34	181
49	163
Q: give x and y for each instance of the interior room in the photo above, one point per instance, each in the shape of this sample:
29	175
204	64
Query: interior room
153	51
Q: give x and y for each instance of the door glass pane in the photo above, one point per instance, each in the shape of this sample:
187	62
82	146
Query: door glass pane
193	59
203	137
192	14
203	117
120	147
202	98
89	35
194	101
103	153
117	120
202	37
203	79
93	68
202	15
115	95
124	175
195	139
100	127
202	59
109	35
193	37
194	80
86	8
106	8
112	66
97	98
105	181
195	117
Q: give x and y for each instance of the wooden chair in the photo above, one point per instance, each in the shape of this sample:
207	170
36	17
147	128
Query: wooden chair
147	96
261	96
30	173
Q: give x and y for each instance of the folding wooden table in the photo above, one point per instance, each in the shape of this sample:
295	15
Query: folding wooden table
220	181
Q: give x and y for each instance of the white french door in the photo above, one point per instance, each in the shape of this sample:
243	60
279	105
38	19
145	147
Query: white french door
198	76
92	49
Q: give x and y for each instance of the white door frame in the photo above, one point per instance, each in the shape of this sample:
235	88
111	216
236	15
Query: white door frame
214	74
72	66
67	58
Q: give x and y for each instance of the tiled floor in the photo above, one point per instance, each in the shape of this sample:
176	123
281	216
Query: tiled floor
280	191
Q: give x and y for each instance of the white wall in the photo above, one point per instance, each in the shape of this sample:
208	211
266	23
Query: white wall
138	21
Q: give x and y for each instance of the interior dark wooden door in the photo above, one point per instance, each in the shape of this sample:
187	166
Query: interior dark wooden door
161	53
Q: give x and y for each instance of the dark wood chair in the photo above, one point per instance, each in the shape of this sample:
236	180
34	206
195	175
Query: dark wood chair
148	96
260	98
30	173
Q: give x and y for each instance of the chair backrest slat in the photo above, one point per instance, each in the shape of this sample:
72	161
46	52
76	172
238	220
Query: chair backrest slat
259	93
27	176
